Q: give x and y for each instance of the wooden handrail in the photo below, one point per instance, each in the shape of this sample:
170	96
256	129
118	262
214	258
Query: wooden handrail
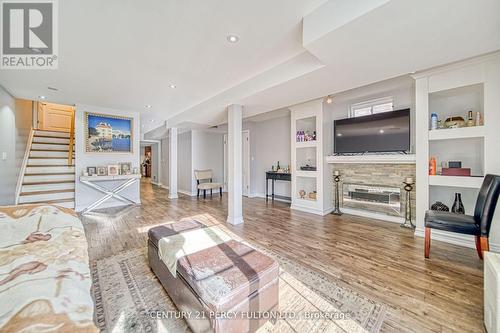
23	166
71	140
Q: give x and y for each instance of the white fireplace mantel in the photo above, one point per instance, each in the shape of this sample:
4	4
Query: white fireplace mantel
372	159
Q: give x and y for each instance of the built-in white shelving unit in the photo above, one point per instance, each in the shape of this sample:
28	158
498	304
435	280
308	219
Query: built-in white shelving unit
307	117
452	91
306	144
301	173
456	181
457	133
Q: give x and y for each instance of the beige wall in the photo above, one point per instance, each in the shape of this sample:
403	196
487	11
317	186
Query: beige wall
15	124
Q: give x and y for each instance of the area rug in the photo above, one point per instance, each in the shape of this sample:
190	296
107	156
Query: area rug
128	298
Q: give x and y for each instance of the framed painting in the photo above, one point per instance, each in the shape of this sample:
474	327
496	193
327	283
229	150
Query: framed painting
108	134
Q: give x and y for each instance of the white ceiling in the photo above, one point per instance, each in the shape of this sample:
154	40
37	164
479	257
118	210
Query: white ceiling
394	39
124	54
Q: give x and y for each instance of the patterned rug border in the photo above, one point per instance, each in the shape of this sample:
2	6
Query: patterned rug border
96	292
374	323
379	309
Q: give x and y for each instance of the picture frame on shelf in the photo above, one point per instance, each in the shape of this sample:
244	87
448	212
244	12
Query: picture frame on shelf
102	171
126	168
113	170
91	171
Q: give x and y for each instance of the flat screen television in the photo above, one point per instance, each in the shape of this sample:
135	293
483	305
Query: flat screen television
381	132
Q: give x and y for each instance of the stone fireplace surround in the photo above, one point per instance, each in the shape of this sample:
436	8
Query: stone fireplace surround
376	174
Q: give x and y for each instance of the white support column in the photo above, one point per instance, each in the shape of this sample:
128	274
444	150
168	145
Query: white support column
235	170
172	161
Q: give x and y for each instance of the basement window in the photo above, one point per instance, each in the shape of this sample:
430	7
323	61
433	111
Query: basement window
373	106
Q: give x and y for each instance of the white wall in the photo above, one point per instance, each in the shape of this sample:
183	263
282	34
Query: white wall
197	150
184	163
8	170
16	119
165	167
269	143
492	122
401	88
208	153
155	155
84	195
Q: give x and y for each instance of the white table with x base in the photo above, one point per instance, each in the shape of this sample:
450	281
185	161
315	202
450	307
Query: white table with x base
92	181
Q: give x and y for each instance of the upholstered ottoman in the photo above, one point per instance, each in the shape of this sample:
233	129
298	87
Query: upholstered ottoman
228	287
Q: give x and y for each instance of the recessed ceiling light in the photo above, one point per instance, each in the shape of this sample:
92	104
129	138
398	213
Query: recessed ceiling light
381	131
151	120
232	38
329	99
339	134
148	106
173	86
41	97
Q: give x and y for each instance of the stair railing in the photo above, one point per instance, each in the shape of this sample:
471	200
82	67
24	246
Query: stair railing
71	140
20	178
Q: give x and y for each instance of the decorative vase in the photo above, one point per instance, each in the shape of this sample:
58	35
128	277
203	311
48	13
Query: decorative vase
458	206
439	206
454	122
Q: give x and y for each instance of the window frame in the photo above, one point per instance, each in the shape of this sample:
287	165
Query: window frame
370	104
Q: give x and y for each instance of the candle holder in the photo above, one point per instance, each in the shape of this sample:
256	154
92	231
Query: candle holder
336	211
408	223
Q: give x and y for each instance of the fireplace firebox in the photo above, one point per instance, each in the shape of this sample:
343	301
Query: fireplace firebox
379	198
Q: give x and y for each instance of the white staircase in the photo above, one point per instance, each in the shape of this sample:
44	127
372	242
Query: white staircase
46	176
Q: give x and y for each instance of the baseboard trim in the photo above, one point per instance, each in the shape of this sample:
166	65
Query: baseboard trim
157	184
454	238
373	215
306	209
263	196
189	194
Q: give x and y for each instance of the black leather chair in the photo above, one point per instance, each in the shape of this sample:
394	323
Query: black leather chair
478	225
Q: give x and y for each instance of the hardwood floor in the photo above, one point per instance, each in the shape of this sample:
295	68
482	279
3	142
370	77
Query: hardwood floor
378	259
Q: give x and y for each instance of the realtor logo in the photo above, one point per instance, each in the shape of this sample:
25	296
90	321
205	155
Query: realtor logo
29	34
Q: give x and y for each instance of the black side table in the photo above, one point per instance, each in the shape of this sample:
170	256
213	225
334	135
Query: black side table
274	176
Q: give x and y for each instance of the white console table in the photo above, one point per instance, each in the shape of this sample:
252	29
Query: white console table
92	181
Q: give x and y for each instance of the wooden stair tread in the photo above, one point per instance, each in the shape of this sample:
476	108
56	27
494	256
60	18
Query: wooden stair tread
50	202
49	174
50	182
48	157
46	192
50	136
51	150
42	130
51	143
49	165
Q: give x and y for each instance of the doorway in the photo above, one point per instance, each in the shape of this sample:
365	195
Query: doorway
245	152
55	117
150	161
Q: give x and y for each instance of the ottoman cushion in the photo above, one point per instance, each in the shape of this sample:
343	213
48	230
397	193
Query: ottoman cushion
226	274
156	233
230	277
